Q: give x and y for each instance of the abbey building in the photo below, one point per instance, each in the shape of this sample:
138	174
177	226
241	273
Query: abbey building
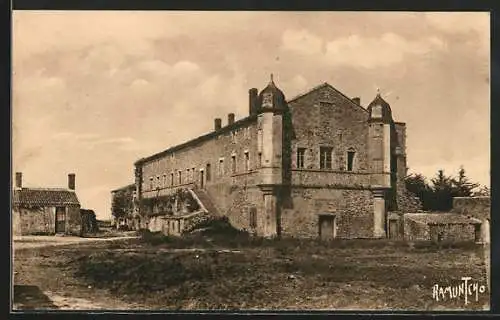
318	164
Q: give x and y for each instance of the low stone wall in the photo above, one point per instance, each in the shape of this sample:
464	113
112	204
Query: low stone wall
414	231
417	231
175	225
477	207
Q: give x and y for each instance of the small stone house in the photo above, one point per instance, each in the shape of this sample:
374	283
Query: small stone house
45	211
440	226
476	207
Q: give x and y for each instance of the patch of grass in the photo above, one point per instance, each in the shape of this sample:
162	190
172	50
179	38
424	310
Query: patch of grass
277	272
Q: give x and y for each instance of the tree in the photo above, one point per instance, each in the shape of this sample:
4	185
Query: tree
482	191
438	195
462	185
443	190
121	205
417	184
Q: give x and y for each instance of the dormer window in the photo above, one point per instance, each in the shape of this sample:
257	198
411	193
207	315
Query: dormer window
377	112
267	99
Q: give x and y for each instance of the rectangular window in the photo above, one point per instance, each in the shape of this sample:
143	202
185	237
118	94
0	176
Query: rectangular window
188	175
180	177
325	157
300	157
339	136
151	183
208	172
221	167
260	159
247	161
253	218
193	174
233	164
172	179
350	160
164	180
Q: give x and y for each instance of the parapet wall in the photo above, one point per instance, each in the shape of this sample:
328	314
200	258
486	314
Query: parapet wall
477	207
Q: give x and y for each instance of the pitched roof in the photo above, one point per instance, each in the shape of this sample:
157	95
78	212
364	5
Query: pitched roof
236	124
199	139
45	197
441	218
326	85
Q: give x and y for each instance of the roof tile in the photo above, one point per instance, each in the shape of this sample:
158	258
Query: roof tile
45	197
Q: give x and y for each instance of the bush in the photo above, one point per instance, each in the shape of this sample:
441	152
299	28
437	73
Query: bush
154	238
124	228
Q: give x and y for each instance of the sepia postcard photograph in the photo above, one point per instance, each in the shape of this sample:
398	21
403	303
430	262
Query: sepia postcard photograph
250	160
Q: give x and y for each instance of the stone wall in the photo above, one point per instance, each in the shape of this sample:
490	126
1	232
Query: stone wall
325	117
41	220
16	222
157	174
414	231
73	220
353	209
36	220
477	207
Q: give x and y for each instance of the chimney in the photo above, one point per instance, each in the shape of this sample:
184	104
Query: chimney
252	94
71	181
19	180
217	124
356	100
230	119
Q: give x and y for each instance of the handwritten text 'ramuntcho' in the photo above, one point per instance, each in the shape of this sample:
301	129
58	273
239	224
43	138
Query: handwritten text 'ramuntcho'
463	290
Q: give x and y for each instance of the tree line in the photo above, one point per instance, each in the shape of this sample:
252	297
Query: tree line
437	195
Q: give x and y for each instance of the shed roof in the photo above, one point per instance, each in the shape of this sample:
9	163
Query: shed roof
441	218
45	197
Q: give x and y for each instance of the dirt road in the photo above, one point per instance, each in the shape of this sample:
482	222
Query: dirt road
38	285
31	242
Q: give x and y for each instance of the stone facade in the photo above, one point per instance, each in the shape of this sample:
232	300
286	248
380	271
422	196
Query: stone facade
440	227
479	208
274	171
45	210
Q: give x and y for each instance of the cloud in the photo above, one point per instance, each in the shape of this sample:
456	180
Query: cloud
359	51
460	22
90	140
383	51
302	41
120	92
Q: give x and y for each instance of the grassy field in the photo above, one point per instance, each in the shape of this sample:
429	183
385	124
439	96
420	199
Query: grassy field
237	272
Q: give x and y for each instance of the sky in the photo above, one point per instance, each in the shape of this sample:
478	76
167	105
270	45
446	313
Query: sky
95	91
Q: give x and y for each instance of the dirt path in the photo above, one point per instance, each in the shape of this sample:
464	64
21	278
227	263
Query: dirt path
32	242
39	284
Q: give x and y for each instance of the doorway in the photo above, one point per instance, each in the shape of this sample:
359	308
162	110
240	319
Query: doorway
202	179
393	229
477	233
327	227
60	219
